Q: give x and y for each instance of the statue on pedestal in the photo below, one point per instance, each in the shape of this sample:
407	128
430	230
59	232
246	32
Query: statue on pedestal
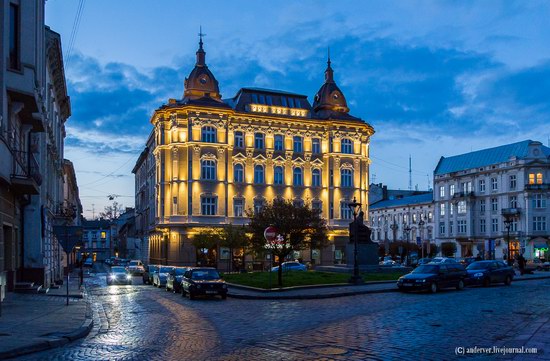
363	232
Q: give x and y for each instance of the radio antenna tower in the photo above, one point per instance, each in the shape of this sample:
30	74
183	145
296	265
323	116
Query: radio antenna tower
410	174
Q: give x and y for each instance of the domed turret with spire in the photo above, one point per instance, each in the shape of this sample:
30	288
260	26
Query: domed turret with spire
329	101
201	82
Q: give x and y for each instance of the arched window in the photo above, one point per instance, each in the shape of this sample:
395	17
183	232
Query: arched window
279	142
259	174
297	177
259	142
278	175
345	211
346	178
298	144
347	146
316	146
316	178
208	134
208	169
238	173
239	139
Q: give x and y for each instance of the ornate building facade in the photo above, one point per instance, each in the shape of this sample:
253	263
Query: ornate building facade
216	158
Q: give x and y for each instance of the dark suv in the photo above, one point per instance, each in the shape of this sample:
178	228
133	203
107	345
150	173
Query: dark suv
203	281
433	277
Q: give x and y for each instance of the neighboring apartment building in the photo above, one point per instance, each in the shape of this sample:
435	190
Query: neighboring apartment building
97	239
409	218
478	194
215	158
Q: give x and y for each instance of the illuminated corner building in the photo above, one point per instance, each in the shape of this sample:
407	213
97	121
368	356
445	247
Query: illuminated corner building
215	158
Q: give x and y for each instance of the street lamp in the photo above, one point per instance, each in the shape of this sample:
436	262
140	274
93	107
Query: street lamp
356	278
420	227
407	229
394	227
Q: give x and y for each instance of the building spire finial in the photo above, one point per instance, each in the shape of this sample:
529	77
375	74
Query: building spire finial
329	77
201	34
328	57
200	53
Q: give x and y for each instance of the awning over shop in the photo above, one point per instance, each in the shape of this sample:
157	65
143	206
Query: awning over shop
540	245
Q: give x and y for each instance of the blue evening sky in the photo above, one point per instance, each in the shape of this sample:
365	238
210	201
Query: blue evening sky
434	78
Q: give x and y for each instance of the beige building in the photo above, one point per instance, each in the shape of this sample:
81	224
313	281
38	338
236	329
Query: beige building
215	158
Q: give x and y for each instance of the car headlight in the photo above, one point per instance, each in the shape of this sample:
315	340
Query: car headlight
479	274
128	277
400	280
420	281
112	277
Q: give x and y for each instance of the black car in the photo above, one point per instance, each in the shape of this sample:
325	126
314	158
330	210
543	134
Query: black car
433	277
203	281
119	275
487	272
173	281
148	273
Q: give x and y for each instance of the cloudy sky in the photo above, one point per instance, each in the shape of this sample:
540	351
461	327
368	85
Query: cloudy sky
434	78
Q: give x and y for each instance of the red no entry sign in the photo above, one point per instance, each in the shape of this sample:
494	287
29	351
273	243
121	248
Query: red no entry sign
270	233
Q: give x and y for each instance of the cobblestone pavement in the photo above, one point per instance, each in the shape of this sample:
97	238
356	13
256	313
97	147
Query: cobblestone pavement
145	323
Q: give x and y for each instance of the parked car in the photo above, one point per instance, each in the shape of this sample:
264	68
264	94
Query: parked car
487	272
108	261
443	260
148	273
173	282
159	277
537	264
290	266
422	261
387	262
119	275
468	261
88	262
135	267
203	281
433	277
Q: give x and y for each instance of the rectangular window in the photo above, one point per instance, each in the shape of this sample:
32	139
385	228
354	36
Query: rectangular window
331	178
451	209
513	201
494	184
442	228
238	207
103	235
494	204
239	140
331	210
539	201
259	141
14	40
450	227
345	211
451	190
442	192
539	178
539	223
462	207
442	210
461	226
316	146
298	144
279	142
317	206
482	226
258	205
482	186
494	225
513	181
482	206
208	206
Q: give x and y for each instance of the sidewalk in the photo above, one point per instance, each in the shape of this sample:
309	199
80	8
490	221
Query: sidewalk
36	322
331	291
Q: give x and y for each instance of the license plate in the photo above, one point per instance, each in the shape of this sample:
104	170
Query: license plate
211	292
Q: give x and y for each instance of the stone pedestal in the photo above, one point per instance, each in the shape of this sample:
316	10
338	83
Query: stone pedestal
367	254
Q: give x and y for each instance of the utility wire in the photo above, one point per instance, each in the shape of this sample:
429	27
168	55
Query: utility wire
74	31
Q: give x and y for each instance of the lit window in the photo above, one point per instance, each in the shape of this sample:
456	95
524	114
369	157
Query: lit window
316	178
208	134
316	145
103	235
259	174
345	211
238	207
239	140
208	169
238	173
539	178
278	175
298	144
297	177
442	210
259	141
452	190
347	146
346	178
208	206
442	192
279	142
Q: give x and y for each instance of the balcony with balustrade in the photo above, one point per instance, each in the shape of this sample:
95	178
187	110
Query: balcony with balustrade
26	177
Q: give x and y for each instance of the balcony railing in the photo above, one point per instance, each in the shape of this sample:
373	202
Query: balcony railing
463	194
537	187
26	177
511	212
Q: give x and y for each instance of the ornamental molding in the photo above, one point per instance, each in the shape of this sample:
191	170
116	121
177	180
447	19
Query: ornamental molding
221	151
346	165
356	162
289	155
249	153
208	156
279	160
197	149
269	154
197	122
175	152
307	157
337	161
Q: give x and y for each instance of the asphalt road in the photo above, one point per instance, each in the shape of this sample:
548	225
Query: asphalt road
141	322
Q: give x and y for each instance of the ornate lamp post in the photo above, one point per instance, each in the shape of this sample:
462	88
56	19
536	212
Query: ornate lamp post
394	227
356	278
407	229
420	227
508	224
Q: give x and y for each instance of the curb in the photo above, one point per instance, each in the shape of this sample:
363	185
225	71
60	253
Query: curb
310	297
81	332
307	287
531	278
